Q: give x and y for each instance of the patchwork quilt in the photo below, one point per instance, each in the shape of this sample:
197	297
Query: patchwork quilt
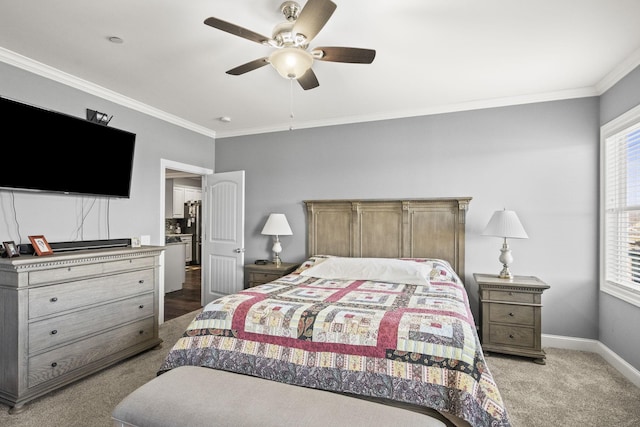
410	343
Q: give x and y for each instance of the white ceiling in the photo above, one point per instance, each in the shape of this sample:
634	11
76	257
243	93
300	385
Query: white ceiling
432	56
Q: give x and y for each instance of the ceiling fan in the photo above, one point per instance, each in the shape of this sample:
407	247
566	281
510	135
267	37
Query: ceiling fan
291	58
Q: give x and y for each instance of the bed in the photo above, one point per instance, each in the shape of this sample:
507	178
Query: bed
378	312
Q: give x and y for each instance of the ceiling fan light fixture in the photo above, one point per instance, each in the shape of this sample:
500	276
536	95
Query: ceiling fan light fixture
291	62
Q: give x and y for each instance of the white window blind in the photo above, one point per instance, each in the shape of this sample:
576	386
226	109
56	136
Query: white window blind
620	208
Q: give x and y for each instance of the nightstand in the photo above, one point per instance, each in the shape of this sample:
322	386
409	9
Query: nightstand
511	315
259	274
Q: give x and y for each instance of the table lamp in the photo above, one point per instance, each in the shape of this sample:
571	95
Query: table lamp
505	224
277	225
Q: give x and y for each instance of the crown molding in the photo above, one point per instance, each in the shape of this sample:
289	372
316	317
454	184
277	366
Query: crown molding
54	74
621	70
441	109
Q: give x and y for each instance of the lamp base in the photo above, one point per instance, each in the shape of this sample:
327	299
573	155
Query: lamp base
505	273
505	259
277	248
276	260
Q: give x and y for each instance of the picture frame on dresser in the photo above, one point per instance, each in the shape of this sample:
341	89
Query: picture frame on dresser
10	249
40	245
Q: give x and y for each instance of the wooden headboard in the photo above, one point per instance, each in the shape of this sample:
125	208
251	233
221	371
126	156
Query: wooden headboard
404	228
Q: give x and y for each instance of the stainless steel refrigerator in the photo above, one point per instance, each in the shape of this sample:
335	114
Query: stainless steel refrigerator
193	226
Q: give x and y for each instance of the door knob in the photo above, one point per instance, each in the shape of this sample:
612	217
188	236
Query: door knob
238	250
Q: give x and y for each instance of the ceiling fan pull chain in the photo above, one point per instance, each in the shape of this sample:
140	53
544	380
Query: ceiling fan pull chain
291	104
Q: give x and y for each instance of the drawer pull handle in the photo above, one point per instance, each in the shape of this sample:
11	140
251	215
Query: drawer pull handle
141	332
141	281
68	268
141	306
511	314
511	336
55	331
54	299
54	364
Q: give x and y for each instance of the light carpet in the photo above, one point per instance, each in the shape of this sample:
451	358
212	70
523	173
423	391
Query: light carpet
574	388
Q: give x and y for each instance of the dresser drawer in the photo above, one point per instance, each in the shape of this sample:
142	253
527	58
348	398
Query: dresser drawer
510	296
52	364
67	296
128	264
514	314
59	330
511	335
75	272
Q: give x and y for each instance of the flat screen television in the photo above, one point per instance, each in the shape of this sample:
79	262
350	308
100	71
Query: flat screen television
54	152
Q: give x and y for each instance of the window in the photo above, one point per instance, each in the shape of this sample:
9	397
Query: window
620	207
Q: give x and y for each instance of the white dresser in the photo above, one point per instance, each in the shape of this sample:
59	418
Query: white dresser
68	315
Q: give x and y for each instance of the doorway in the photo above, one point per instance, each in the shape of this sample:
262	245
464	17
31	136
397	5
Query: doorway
222	236
187	298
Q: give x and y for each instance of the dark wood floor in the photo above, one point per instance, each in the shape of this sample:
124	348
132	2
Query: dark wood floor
186	299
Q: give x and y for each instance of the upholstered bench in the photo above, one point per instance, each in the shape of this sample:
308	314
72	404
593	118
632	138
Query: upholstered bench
190	396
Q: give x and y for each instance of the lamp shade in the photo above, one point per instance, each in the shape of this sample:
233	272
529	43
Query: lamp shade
277	225
505	224
291	62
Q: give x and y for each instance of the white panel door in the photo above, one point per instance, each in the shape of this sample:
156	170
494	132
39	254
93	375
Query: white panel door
223	235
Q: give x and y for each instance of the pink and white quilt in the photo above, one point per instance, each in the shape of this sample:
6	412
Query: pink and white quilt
406	342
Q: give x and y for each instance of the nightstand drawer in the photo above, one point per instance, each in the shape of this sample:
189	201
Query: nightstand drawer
511	335
510	296
514	314
264	277
259	274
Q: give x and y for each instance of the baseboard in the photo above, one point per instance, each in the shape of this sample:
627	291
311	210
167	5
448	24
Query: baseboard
594	346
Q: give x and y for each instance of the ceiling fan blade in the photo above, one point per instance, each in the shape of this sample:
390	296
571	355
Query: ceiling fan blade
236	30
351	55
308	80
249	66
313	16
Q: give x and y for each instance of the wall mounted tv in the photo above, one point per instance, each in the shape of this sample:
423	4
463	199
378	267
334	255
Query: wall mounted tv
56	152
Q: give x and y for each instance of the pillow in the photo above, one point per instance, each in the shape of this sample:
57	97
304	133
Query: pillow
440	270
375	269
314	260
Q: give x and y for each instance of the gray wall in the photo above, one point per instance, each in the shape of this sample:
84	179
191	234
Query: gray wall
619	320
58	217
540	160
